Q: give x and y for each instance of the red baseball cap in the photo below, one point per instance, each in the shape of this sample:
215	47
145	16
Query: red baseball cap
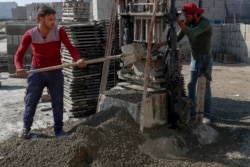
191	8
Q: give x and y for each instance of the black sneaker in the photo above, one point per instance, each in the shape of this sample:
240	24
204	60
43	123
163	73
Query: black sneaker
25	134
61	134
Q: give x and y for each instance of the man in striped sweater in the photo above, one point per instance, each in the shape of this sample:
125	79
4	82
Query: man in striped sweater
45	40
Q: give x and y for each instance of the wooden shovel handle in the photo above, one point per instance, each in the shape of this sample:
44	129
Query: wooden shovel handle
92	61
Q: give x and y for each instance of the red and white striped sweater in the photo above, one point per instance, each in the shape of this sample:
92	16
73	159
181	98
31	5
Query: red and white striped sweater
46	51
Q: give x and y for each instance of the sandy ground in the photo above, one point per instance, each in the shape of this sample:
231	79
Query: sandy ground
112	138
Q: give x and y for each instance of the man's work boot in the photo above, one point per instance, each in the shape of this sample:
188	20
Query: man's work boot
25	134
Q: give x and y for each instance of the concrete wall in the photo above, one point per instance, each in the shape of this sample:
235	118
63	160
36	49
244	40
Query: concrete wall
232	39
236	40
102	9
19	13
238	11
214	9
32	10
15	31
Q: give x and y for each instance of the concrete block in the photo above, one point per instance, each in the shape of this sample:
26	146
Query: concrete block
225	34
234	43
101	9
9	39
10	58
227	27
28	59
233	35
247	28
238	42
238	51
244	52
206	10
15	28
154	109
248	60
243	45
234	50
248	36
239	36
19	39
208	16
15	39
243	34
242	27
247	43
229	49
233	27
208	3
11	49
225	42
219	4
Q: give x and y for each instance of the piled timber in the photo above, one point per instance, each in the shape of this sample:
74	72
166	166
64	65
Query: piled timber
81	86
75	11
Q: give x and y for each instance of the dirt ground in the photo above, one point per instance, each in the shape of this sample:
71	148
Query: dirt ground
112	138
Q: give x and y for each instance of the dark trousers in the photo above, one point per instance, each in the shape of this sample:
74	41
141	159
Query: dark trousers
192	85
53	80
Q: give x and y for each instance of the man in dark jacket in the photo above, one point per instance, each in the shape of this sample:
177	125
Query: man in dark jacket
199	32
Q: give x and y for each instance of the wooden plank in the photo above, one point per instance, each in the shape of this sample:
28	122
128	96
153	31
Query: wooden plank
147	66
110	37
200	100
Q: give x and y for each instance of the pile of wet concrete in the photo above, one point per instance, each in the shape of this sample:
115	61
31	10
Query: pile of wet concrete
108	138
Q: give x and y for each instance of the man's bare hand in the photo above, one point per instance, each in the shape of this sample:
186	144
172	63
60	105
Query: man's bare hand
181	24
81	63
21	73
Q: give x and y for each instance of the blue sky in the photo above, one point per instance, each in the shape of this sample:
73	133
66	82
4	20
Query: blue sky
24	2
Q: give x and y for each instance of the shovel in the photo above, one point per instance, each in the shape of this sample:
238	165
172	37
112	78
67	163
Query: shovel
92	61
131	53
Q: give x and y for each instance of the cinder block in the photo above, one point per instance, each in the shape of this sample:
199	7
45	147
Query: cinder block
219	4
11	49
247	28
9	39
234	50
226	27
248	36
208	3
243	27
225	34
247	44
15	39
10	58
225	42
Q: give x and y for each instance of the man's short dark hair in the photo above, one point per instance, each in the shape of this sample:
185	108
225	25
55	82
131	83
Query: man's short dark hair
45	10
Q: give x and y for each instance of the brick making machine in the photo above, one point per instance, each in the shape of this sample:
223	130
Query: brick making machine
143	24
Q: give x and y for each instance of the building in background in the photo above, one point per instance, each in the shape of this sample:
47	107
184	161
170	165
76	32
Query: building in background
76	11
19	13
33	8
6	10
